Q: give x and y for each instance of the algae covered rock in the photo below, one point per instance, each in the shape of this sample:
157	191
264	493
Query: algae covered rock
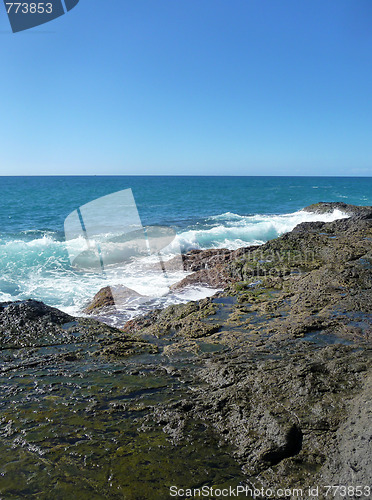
292	392
186	320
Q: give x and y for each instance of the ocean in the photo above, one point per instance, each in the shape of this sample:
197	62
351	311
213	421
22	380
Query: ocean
203	212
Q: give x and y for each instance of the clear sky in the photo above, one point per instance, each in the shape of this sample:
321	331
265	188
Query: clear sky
209	87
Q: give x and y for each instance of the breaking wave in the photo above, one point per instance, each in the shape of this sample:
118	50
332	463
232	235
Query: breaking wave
36	264
232	231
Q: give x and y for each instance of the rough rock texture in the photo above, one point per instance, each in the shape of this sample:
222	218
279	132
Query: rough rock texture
102	299
291	391
281	413
351	454
179	320
28	322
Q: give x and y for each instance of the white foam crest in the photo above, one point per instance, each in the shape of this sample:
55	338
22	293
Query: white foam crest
250	230
5	297
227	216
44	241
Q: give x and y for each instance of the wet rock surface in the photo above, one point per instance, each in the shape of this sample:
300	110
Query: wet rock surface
268	383
76	405
281	412
296	324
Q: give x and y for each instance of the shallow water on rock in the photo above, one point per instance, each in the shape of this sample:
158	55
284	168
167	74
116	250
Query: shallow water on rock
86	429
321	338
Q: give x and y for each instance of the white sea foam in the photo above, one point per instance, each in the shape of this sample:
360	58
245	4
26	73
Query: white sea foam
240	231
227	216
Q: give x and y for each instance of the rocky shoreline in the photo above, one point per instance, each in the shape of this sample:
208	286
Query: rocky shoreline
276	370
293	392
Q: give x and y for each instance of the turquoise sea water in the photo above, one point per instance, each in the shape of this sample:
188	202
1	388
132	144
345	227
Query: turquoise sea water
204	211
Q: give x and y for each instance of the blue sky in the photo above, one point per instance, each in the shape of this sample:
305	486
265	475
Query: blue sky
210	87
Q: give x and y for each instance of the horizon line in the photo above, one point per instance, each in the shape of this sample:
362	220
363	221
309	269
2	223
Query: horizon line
186	175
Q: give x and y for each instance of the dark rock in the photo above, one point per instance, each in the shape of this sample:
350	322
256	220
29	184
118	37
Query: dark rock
185	320
281	414
20	312
29	323
351	454
216	277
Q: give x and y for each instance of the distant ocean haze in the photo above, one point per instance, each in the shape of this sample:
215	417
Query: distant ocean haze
205	212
